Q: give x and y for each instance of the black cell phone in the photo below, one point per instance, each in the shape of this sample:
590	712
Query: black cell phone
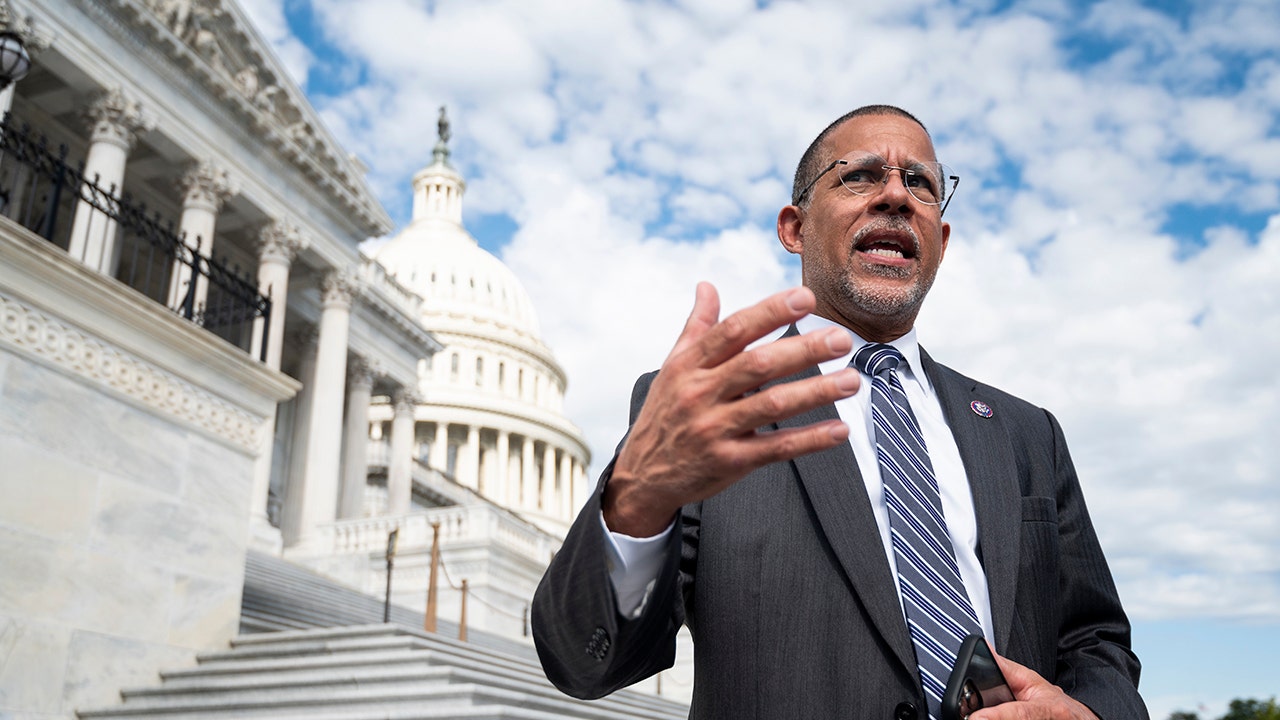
976	681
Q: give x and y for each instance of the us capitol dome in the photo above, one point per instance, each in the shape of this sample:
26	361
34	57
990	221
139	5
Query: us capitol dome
488	411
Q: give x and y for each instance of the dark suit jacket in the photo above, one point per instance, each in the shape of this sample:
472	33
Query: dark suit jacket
784	584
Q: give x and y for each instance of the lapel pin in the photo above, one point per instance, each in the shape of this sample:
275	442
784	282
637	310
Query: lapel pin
981	408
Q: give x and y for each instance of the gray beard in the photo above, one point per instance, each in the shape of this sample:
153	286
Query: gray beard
879	302
882	302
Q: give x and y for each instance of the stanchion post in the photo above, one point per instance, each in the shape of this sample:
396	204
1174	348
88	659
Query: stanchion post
392	539
429	617
462	618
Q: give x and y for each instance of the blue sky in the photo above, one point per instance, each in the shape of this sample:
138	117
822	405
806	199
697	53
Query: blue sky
1115	247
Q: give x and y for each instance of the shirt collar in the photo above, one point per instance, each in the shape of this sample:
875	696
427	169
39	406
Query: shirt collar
907	345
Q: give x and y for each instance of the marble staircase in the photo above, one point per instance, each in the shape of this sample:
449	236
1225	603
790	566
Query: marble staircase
368	672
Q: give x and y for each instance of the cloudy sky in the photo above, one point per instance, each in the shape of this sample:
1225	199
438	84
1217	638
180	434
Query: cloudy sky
1115	252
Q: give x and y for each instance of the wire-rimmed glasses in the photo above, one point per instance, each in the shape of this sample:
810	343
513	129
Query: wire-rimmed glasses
863	173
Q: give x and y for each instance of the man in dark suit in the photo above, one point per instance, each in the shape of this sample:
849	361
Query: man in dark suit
748	500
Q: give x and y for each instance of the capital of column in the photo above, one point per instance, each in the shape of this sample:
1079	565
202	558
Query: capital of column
362	372
117	118
280	241
405	400
208	185
338	289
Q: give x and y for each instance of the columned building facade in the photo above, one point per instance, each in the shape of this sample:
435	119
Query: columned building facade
201	300
198	363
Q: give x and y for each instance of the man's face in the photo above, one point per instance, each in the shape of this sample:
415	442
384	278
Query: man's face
870	259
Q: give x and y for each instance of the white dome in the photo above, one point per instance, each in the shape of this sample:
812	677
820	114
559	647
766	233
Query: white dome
438	259
457	278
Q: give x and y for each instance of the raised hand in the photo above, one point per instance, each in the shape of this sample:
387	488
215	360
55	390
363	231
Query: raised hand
696	433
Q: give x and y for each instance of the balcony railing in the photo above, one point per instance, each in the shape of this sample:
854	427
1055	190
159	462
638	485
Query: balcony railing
40	190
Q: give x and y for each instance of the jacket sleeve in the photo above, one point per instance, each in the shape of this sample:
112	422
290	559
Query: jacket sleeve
1095	664
586	647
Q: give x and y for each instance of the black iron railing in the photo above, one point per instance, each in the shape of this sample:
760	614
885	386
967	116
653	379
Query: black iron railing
40	190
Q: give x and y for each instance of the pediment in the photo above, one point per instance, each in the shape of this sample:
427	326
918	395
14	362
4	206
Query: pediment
216	44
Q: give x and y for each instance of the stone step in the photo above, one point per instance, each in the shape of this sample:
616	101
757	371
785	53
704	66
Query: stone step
343	642
279	595
311	702
373	711
369	671
352	645
387	669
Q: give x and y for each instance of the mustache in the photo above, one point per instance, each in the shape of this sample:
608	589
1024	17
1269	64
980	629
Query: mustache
890	223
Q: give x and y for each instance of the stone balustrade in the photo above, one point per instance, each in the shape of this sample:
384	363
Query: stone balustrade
480	524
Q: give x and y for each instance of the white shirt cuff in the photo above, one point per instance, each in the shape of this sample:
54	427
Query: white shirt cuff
633	565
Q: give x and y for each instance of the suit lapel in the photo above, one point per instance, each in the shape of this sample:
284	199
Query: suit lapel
988	461
835	488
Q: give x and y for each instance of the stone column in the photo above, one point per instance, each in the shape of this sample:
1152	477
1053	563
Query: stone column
355	443
580	485
471	476
205	187
278	244
548	501
502	463
564	496
296	474
440	448
117	121
400	464
324	438
528	476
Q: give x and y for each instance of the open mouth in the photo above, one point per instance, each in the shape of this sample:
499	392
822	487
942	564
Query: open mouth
887	245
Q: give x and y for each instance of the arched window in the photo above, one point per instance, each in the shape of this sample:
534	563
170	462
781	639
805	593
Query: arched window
479	371
453	367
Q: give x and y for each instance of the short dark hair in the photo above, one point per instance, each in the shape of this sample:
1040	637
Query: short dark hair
811	161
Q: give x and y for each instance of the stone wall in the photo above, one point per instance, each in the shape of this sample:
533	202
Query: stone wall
127	439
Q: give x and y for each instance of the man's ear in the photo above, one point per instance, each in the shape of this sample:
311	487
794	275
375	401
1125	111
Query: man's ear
946	235
790	219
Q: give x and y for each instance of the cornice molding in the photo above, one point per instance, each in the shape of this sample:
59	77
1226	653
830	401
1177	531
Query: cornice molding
88	357
212	42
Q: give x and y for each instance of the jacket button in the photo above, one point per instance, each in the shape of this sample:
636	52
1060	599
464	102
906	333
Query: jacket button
598	645
905	711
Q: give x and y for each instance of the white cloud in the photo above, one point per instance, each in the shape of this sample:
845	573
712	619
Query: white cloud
616	133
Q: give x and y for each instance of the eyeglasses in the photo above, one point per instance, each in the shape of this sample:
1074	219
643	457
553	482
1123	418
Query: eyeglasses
863	173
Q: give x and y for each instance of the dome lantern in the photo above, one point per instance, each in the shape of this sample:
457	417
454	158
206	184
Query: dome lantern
438	188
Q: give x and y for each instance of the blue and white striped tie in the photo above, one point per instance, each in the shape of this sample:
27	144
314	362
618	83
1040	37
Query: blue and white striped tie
938	612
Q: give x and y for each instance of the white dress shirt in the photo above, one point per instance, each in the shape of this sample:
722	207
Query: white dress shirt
634	563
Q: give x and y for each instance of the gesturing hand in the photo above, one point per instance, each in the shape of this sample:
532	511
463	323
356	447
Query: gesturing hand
696	433
1035	698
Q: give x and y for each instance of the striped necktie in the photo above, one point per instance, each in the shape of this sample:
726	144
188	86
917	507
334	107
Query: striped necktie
938	612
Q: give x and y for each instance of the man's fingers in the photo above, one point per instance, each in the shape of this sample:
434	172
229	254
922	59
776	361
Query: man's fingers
1019	677
785	400
755	367
733	334
705	314
765	448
